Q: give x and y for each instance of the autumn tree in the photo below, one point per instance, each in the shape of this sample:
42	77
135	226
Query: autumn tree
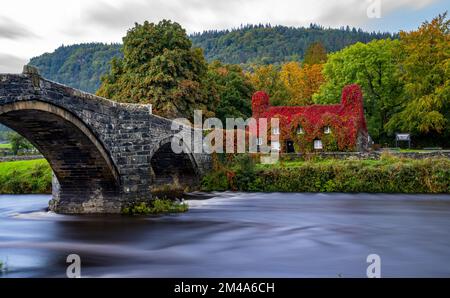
373	66
160	67
233	88
301	82
267	78
425	71
315	54
291	76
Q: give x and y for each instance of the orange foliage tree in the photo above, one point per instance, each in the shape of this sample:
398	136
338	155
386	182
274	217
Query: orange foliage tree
301	82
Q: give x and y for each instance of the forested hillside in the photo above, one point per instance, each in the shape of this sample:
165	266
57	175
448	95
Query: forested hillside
265	44
81	66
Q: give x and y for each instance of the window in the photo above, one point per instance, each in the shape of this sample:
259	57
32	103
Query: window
300	130
260	141
327	130
276	131
318	144
276	146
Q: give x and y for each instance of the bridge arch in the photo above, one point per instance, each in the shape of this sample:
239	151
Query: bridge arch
168	167
84	170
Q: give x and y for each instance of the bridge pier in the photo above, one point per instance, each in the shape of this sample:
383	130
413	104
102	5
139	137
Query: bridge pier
92	200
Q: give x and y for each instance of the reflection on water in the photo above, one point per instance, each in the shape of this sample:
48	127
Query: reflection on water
235	235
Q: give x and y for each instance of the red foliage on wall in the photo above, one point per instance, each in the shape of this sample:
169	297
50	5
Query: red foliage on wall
260	103
346	119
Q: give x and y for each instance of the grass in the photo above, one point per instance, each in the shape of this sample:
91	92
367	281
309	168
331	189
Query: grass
5	146
25	177
157	206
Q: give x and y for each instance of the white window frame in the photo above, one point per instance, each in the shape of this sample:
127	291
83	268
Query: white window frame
275	145
260	141
276	131
327	130
318	145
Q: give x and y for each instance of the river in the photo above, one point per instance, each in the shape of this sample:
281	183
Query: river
235	235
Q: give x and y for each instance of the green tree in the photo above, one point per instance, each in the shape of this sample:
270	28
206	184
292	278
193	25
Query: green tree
425	70
81	65
315	54
233	88
18	142
160	67
373	66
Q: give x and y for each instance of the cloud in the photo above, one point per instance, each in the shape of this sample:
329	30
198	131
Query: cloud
355	12
198	15
10	29
194	15
52	23
11	64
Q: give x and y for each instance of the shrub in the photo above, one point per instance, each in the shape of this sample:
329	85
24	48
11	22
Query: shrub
388	175
156	206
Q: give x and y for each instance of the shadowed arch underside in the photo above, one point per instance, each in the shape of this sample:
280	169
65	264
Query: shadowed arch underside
87	180
175	169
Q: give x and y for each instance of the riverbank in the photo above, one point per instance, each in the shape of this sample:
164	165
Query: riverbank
387	175
25	177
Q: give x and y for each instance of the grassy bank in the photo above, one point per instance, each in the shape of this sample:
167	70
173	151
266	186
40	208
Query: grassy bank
388	175
242	173
25	177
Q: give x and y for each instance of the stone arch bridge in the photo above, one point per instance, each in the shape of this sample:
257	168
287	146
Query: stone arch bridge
104	155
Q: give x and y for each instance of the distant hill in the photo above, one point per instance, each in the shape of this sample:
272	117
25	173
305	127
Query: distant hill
264	44
81	66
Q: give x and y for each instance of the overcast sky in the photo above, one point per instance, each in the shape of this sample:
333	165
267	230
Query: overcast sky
31	27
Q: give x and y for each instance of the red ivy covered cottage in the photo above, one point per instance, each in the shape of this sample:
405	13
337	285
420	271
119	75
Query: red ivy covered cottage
337	127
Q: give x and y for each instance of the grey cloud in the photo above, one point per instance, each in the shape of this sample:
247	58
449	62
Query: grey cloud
10	29
109	16
11	64
337	14
188	12
198	15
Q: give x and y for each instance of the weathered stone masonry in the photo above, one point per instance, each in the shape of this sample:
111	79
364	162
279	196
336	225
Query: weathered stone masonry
104	155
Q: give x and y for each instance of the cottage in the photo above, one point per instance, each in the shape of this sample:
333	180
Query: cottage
336	127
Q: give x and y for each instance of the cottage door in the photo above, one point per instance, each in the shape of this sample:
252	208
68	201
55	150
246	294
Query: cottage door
290	147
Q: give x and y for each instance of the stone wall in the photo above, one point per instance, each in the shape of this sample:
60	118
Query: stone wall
20	157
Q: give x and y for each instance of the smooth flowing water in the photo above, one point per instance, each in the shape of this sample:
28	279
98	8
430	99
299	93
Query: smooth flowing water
235	235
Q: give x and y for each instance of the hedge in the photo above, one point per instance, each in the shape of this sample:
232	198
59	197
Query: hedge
385	176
